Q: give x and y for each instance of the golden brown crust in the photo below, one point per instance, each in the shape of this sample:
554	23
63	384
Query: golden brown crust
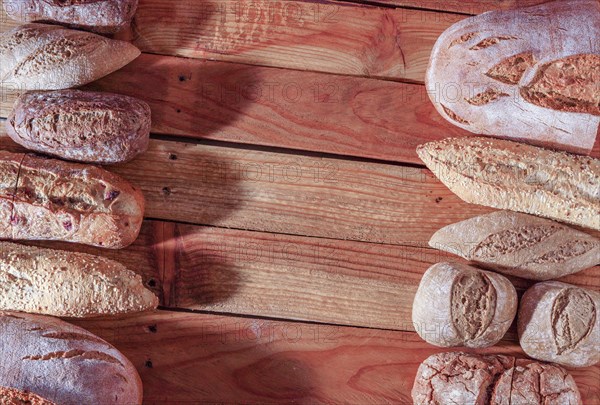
12	396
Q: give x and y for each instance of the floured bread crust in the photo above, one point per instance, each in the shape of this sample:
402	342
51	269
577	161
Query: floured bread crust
530	74
560	322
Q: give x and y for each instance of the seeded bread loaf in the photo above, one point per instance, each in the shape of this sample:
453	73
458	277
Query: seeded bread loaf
83	126
12	396
529	74
520	245
48	199
560	322
462	378
48	57
64	363
460	305
510	175
103	16
68	284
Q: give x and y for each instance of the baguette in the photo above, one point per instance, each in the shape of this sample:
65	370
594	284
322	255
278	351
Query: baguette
48	199
463	378
12	396
510	175
47	57
459	305
85	285
560	322
102	16
64	363
520	245
528	74
83	126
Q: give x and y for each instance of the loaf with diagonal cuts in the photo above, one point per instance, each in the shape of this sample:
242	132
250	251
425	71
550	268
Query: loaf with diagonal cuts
520	245
518	177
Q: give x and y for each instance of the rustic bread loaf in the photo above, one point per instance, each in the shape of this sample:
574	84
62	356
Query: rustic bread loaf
462	378
84	126
520	245
518	177
530	74
64	363
103	16
459	305
68	284
48	57
55	200
12	396
560	322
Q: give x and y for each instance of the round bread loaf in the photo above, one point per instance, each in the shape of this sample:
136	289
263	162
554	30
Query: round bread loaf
559	322
460	305
64	363
462	378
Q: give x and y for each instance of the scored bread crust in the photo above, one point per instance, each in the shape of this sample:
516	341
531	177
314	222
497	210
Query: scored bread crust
520	245
48	57
48	199
518	177
460	305
102	16
64	363
529	74
68	284
93	127
12	396
560	322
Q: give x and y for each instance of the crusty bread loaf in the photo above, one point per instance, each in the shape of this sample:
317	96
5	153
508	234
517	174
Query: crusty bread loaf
560	322
64	363
48	57
460	305
462	378
12	396
518	177
530	74
103	16
84	126
55	200
520	245
68	284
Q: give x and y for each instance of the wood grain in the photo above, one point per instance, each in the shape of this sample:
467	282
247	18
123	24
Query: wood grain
462	6
197	358
289	193
284	276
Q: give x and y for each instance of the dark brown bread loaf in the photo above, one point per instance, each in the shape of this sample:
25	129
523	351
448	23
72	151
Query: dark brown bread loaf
12	396
48	199
462	378
83	126
103	16
520	245
64	363
49	57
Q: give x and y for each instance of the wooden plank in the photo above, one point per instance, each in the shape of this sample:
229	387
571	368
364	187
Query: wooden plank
462	6
197	358
290	109
283	276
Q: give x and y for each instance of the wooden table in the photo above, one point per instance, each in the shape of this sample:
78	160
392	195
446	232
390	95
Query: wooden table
287	212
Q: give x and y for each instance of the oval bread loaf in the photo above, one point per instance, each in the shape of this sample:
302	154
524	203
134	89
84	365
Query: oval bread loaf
518	177
462	378
520	245
48	57
68	284
103	16
560	322
529	74
48	199
460	305
12	396
64	363
83	126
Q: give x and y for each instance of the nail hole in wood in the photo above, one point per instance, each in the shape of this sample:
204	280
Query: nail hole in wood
172	156
152	328
166	191
152	283
149	364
